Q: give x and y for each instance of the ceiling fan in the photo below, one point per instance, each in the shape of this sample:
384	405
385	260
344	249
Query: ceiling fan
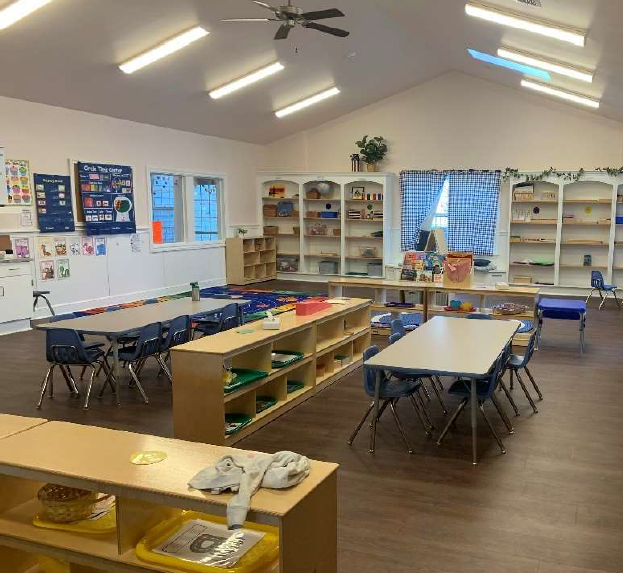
291	16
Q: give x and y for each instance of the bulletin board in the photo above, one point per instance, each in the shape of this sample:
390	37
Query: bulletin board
107	193
53	200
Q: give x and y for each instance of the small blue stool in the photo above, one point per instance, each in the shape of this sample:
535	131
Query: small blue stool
563	309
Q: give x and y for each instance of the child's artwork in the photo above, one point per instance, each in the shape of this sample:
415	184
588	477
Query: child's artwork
62	269
47	270
46	247
87	246
60	246
21	248
74	247
18	182
100	246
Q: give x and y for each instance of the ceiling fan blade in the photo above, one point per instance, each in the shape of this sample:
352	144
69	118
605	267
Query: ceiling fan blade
264	5
248	20
327	29
322	14
283	32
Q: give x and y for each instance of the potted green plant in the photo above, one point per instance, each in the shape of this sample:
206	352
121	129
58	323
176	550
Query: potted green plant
241	232
372	150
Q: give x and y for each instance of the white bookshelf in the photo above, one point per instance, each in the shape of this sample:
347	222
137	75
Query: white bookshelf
580	222
344	248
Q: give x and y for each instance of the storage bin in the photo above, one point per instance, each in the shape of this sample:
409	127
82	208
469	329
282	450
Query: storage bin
269	210
375	269
619	220
329	214
327	267
296	230
337	232
313	214
368	252
271	230
287	265
313	194
317	230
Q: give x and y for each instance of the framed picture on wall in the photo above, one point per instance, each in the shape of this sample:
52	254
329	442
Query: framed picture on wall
357	193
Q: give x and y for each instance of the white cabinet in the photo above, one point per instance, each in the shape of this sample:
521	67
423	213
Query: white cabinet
15	291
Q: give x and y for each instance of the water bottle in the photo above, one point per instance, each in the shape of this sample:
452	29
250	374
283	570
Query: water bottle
196	296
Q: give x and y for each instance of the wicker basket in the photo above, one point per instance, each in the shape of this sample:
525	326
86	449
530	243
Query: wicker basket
67	504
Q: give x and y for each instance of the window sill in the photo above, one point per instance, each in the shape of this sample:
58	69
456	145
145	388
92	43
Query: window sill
166	247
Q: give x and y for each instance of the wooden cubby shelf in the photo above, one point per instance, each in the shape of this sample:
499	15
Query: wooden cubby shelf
199	402
251	260
98	459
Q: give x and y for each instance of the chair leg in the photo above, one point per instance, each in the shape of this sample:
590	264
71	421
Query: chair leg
525	391
452	419
534	384
89	388
164	368
603	299
138	383
426	415
84	369
502	413
614	292
51	384
44	385
439	382
426	392
481	407
361	423
590	294
441	402
419	415
69	380
381	410
510	397
512	380
392	407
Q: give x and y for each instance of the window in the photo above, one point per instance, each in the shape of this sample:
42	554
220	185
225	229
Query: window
186	209
440	218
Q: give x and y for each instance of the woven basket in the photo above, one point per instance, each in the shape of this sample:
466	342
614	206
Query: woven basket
67	504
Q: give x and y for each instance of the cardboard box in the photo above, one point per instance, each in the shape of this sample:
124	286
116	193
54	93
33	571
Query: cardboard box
309	307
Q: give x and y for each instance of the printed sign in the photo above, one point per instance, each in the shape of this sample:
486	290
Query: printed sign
53	200
18	181
107	198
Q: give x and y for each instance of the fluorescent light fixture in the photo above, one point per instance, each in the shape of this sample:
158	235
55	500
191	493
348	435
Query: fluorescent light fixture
490	59
514	20
549	65
18	10
557	92
247	80
307	102
170	46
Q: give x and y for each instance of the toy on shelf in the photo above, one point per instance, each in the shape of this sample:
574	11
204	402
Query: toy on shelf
277	191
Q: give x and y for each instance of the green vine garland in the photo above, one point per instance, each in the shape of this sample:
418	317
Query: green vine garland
573	176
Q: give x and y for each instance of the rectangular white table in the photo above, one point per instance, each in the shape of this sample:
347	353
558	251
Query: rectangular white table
124	322
446	346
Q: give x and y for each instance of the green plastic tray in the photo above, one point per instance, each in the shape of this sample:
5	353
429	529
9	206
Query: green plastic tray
235	422
243	377
294	386
264	403
294	356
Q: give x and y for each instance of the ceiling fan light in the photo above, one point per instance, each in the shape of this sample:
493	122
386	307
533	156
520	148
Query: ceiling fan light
545	64
247	80
165	49
519	21
18	10
560	93
307	102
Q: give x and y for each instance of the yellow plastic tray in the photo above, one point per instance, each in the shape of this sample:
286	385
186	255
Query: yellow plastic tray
263	553
101	526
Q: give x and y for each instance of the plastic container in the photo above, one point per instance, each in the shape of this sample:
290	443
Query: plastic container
261	555
327	267
619	220
329	214
375	269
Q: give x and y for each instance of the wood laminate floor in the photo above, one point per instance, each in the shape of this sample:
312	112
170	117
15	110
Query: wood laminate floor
553	504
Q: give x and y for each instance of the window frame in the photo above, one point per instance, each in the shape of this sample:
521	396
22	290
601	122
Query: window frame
188	186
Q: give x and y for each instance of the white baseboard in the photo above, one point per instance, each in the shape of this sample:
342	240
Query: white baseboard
14	326
43	312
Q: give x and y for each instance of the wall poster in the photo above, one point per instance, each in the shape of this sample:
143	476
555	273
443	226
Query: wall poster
107	198
53	196
18	181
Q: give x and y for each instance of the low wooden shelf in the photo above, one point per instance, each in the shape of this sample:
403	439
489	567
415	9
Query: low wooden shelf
251	260
199	402
97	459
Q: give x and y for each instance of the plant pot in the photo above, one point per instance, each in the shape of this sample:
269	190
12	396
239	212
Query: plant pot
370	166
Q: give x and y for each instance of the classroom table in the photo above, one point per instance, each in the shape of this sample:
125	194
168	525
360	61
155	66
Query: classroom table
446	346
114	325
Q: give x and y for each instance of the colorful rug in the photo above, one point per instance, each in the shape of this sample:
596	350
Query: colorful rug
261	301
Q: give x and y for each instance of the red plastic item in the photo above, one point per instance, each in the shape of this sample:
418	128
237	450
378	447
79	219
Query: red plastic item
308	307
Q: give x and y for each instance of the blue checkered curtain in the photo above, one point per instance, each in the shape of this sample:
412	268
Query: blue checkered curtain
419	192
473	210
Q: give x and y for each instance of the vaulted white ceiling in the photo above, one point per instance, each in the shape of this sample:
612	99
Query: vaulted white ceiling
66	54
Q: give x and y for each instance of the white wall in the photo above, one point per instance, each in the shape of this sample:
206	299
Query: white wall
457	121
50	136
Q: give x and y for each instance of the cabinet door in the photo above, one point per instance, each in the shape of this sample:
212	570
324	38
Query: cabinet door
15	298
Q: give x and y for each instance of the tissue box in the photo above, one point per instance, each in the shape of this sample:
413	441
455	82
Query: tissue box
271	324
308	307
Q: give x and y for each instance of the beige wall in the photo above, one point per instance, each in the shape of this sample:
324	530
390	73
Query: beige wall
457	121
50	136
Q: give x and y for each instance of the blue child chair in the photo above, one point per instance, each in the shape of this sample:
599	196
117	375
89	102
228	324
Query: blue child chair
598	284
